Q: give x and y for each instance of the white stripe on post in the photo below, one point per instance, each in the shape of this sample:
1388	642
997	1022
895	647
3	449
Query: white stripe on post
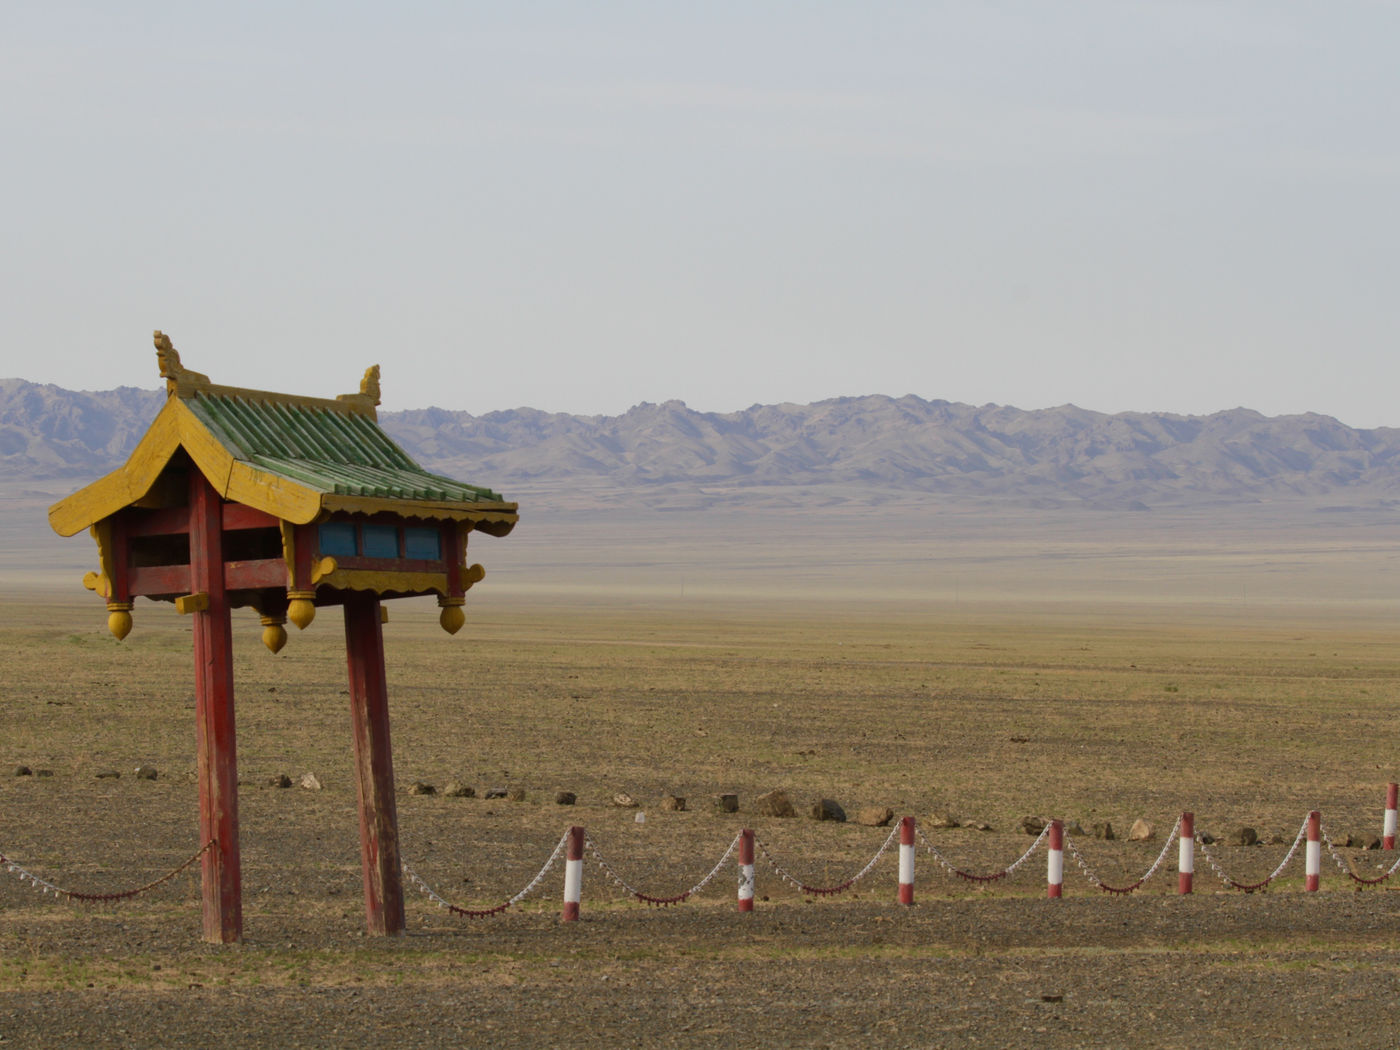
1314	854
1186	853
1055	867
573	874
906	861
1388	831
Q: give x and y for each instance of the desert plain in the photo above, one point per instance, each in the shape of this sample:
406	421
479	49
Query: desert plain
988	664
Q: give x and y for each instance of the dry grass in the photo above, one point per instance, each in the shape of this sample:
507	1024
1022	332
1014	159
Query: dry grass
1087	718
988	712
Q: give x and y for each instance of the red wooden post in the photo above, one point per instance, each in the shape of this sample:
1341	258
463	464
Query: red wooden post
906	860
573	875
746	873
1055	864
216	750
374	764
1392	802
1186	854
1312	858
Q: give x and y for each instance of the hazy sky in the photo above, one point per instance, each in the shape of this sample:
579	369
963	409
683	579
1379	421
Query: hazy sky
1131	206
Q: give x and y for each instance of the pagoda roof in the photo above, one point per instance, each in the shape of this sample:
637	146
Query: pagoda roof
299	459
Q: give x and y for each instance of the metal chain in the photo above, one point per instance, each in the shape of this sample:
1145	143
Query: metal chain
1254	886
1346	869
658	901
45	886
969	876
1124	890
481	913
827	891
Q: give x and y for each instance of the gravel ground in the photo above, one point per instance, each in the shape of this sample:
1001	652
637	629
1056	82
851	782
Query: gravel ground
981	968
1287	729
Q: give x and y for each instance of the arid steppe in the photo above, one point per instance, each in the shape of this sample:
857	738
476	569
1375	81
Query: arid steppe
1090	667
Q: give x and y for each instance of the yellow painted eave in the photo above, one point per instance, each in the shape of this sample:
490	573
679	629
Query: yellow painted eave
126	485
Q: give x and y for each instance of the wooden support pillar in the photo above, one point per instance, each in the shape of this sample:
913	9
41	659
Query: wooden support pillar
374	764
216	750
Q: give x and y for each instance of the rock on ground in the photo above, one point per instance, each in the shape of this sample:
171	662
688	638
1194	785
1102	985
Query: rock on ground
1141	831
774	803
828	809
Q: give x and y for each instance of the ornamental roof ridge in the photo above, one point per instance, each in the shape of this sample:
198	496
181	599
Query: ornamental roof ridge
187	385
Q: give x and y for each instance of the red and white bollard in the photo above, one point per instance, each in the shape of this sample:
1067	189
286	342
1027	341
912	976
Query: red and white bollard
1388	830
746	879
573	874
906	861
1314	855
1055	866
1186	853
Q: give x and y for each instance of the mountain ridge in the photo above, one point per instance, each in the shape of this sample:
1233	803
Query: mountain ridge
861	444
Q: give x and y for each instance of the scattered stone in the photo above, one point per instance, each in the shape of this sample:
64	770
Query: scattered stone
875	816
828	809
108	774
947	820
1074	828
49	773
1244	837
624	800
1033	825
1206	838
980	825
515	795
673	804
456	789
1371	842
728	803
419	787
1279	840
774	803
1104	831
495	793
310	782
1343	841
23	771
146	772
1141	831
565	798
281	780
640	818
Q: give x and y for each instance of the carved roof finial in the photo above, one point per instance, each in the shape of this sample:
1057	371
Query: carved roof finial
369	385
177	376
367	400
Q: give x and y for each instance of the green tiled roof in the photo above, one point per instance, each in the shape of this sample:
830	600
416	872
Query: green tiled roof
345	453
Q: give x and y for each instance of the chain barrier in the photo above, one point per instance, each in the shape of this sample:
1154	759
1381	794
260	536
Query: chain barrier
1124	890
482	913
970	876
45	886
826	891
1253	887
1346	868
660	902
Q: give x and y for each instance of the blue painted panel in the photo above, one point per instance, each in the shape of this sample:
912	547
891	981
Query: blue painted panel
338	539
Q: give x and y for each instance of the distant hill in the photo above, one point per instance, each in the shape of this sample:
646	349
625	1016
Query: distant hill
855	445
